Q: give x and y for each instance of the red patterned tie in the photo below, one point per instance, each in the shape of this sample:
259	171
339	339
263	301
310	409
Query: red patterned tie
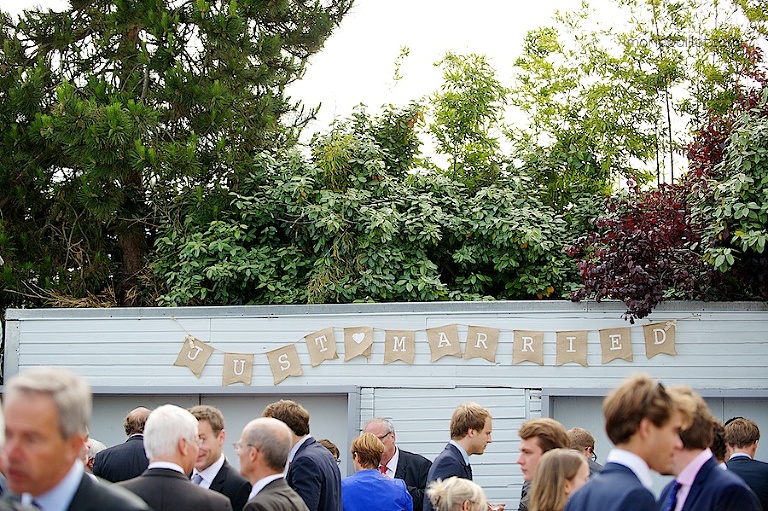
383	469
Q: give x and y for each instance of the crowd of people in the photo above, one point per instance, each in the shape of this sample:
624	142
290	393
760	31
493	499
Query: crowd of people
173	458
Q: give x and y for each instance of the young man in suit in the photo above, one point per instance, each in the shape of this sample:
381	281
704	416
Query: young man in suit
471	426
699	484
46	422
212	470
312	471
171	440
741	437
263	452
537	436
395	462
127	460
644	424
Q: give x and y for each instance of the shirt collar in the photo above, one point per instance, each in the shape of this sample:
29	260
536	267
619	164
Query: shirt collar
740	455
210	473
296	447
261	483
635	463
462	451
166	464
61	495
688	474
392	463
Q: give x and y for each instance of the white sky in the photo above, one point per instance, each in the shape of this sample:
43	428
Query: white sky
357	64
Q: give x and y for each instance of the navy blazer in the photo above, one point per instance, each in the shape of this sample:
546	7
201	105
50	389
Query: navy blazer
231	484
368	490
315	476
715	489
754	473
615	488
448	463
414	470
122	461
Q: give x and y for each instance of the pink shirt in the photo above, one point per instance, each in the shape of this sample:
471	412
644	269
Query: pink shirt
686	477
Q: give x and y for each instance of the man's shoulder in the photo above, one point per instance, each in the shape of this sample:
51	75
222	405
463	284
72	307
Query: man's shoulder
277	492
93	495
413	457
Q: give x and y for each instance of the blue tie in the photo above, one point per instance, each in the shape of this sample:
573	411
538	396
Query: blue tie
671	502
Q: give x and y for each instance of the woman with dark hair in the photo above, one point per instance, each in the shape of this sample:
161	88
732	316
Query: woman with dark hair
367	488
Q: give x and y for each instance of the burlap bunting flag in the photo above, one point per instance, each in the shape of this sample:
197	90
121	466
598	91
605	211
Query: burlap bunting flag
660	338
321	346
616	343
194	354
528	347
284	362
444	341
571	348
238	368
482	342
358	342
399	345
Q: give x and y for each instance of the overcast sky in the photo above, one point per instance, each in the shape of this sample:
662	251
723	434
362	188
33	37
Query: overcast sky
357	64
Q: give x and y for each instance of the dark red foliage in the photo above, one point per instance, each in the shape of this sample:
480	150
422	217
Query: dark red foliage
640	251
645	248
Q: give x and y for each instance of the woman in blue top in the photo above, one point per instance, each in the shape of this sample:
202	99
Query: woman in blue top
367	489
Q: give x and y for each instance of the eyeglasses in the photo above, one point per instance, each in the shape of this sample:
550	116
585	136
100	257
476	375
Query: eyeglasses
385	435
238	446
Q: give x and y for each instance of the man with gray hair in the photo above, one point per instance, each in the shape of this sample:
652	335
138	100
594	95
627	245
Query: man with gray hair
46	414
171	441
263	451
399	464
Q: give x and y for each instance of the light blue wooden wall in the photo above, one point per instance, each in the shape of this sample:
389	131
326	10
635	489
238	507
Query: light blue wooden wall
722	347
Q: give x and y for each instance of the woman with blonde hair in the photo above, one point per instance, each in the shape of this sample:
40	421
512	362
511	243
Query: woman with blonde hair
456	494
368	489
559	473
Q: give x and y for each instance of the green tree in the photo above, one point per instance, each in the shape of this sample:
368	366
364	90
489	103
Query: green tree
467	114
604	104
112	109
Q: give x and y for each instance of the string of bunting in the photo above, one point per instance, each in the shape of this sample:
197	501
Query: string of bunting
480	342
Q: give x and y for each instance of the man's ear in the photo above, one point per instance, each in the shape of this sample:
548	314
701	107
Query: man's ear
222	437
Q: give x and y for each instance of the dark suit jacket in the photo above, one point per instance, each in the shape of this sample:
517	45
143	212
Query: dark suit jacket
413	469
230	483
276	496
615	488
715	489
123	461
315	476
448	463
167	490
95	496
754	473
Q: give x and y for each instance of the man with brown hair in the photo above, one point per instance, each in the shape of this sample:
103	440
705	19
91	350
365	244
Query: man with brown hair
583	441
127	460
741	437
212	470
644	424
699	484
471	426
312	470
537	436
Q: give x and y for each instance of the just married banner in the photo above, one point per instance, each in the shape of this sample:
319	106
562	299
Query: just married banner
444	341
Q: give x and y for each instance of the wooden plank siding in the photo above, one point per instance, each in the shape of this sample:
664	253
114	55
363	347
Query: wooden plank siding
721	347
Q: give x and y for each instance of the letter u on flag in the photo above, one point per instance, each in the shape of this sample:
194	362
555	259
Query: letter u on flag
238	368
